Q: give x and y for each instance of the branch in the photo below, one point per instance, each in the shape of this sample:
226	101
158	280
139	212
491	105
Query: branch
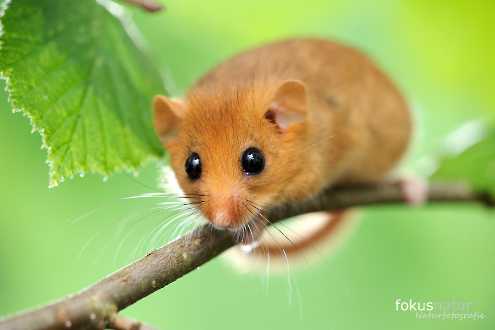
118	322
97	306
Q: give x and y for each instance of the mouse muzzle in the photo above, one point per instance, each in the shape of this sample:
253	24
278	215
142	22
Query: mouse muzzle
225	208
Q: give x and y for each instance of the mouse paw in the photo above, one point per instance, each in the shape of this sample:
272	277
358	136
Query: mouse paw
251	239
249	247
414	190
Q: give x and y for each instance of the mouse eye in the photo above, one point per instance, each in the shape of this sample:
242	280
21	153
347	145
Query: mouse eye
253	161
193	166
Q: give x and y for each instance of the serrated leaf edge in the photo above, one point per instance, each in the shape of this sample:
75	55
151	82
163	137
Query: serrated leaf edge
55	179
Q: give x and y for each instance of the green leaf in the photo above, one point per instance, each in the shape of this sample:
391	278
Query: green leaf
72	68
470	157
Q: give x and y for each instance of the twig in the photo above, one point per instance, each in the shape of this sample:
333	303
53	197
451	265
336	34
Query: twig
96	306
118	322
148	5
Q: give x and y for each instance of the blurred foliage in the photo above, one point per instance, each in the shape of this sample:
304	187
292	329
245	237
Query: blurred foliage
473	162
83	83
441	54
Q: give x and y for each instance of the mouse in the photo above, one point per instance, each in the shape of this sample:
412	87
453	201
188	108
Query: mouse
279	124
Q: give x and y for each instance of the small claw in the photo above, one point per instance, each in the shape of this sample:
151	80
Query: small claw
251	240
249	247
414	190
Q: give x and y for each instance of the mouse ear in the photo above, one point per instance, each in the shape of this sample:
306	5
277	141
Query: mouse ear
167	115
288	105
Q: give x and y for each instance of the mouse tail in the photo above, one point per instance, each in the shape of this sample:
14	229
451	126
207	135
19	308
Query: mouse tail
300	241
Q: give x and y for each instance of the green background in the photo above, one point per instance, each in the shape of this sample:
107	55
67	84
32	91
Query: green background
57	241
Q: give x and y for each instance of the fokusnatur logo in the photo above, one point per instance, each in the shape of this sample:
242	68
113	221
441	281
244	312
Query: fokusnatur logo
439	310
413	306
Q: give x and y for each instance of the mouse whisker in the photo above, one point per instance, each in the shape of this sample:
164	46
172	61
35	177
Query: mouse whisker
277	227
163	226
181	227
161	194
283	253
261	216
250	231
178	203
244	233
194	203
171	208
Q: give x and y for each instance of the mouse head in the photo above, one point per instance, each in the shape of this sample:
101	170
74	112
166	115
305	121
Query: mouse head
235	151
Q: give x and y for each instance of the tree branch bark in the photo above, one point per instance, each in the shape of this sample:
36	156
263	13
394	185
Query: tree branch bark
97	306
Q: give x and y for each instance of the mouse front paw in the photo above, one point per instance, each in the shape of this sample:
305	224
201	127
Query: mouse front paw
414	190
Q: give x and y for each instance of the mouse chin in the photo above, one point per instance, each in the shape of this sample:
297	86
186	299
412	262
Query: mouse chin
230	217
231	213
245	232
233	226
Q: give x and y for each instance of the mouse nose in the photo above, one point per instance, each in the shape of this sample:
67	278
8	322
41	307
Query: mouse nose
221	219
225	212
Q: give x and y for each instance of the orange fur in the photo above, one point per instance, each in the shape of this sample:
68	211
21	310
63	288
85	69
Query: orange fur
347	122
